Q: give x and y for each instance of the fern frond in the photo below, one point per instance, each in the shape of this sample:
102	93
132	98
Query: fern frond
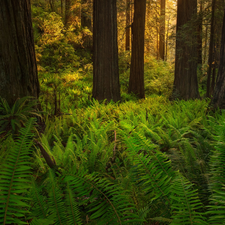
56	204
15	178
108	204
185	203
151	171
73	213
217	207
217	184
40	208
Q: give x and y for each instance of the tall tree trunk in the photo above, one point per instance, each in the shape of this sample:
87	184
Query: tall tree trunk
157	43
162	30
219	92
148	16
185	82
200	17
211	44
136	81
105	67
167	39
127	25
205	45
18	69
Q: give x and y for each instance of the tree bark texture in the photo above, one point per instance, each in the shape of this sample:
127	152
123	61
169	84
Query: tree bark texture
18	69
200	18
105	59
136	81
185	82
219	92
162	30
211	46
128	8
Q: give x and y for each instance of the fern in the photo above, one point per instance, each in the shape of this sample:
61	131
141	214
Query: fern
152	171
185	204
15	178
40	209
108	203
217	184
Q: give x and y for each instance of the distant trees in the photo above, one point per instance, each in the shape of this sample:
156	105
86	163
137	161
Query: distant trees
85	18
185	82
128	21
162	29
199	32
136	81
219	93
18	69
105	64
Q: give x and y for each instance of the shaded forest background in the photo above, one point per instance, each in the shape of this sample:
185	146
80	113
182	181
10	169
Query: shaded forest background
112	112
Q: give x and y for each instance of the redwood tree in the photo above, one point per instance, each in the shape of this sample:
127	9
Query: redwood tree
199	30
219	92
105	66
211	47
185	82
128	8
136	81
18	69
162	30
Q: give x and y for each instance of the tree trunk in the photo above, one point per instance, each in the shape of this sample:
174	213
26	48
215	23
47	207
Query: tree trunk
167	39
136	81
105	67
52	5
157	43
219	92
211	44
200	17
185	82
162	30
148	17
205	46
18	69
127	25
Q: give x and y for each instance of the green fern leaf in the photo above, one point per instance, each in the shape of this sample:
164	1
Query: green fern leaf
15	178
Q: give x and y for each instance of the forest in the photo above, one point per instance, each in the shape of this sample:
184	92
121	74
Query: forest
112	112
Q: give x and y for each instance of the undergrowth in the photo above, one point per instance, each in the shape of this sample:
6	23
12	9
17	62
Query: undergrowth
135	162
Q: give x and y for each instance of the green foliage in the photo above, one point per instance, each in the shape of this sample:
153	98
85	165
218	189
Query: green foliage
13	118
217	178
15	178
55	45
68	86
126	150
58	56
185	203
138	162
158	77
128	163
